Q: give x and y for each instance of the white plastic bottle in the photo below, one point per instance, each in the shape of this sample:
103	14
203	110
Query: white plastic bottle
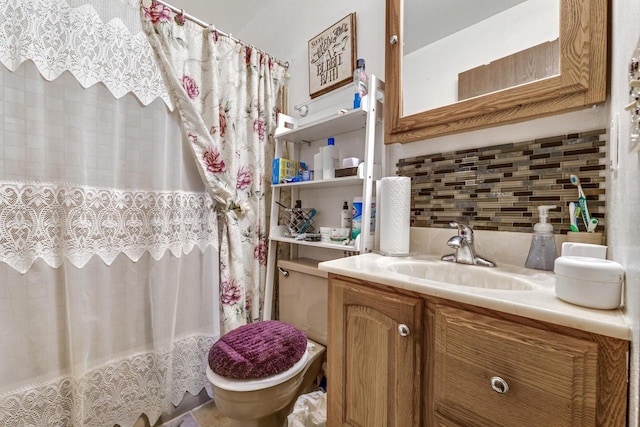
330	159
543	252
317	165
361	82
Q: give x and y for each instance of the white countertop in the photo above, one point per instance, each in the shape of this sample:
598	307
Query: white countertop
539	303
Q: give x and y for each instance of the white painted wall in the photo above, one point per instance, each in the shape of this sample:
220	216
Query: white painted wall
624	189
283	27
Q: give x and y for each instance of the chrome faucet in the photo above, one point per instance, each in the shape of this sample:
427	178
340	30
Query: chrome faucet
463	244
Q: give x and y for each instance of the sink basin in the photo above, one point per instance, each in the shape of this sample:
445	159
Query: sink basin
462	275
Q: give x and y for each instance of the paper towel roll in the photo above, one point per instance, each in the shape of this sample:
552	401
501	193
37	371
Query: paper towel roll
394	208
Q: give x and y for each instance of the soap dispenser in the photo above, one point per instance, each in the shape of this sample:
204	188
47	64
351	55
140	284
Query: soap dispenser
543	252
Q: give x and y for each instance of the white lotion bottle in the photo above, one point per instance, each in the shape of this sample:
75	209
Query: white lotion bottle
317	165
330	159
543	251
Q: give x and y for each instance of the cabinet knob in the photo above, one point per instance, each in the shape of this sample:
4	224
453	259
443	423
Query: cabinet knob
284	272
499	385
393	40
403	330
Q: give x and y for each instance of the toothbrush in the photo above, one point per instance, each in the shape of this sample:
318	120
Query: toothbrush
593	223
573	217
306	224
582	201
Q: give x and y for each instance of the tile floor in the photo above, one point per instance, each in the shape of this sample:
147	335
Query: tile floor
206	415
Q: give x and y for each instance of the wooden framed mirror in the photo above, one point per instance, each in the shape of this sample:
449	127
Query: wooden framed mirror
580	80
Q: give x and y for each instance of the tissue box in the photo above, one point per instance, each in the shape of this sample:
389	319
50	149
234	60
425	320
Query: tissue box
283	169
589	282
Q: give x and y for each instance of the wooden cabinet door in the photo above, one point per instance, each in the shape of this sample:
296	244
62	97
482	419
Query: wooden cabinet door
374	356
490	372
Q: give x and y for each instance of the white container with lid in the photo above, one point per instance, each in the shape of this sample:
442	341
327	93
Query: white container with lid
589	282
584	249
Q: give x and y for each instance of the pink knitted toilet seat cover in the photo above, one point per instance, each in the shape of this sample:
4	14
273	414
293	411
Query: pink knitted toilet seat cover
257	350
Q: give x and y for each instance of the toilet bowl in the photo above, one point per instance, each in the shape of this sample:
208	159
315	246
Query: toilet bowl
265	402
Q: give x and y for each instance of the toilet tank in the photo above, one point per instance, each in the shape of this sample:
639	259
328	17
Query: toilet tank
303	297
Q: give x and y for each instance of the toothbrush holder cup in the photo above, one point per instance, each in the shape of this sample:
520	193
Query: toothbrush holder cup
583	237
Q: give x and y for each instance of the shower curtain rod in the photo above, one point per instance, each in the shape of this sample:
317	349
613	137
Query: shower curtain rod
205	25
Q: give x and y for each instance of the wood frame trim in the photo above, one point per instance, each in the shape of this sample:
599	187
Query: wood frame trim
582	80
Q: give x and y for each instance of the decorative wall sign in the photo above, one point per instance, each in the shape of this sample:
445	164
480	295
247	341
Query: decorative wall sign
332	57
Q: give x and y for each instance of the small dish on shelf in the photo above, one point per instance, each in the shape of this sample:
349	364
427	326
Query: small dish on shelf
339	234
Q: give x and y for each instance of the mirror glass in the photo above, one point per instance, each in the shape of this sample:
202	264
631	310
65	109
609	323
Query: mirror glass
455	50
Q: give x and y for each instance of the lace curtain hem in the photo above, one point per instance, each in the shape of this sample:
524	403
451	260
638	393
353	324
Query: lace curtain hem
54	221
58	38
116	392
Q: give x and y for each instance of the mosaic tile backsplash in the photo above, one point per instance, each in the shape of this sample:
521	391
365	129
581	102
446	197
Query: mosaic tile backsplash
500	187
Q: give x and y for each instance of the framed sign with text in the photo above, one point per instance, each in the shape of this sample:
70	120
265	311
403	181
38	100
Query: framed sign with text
332	57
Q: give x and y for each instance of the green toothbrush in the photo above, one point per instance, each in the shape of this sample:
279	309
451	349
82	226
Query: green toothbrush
573	216
582	201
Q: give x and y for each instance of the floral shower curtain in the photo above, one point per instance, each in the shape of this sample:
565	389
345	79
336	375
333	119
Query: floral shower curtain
108	259
226	94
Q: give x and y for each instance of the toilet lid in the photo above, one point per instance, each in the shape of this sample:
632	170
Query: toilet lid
257	350
232	384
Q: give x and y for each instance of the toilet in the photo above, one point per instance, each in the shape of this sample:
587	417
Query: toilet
266	402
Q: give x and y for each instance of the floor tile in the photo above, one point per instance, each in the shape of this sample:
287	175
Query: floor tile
208	416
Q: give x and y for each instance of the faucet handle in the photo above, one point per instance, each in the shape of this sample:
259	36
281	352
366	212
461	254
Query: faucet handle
463	230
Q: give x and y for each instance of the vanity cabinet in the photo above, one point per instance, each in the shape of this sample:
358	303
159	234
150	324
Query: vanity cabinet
465	366
374	357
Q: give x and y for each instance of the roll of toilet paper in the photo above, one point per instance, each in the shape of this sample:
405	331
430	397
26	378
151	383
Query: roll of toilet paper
394	208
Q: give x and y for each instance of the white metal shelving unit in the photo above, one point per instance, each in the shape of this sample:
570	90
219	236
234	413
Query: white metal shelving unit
367	118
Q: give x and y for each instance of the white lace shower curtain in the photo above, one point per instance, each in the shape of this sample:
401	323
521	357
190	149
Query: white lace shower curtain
227	94
108	261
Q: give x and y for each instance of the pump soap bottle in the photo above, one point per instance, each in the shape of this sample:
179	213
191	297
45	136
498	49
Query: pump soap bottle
543	252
